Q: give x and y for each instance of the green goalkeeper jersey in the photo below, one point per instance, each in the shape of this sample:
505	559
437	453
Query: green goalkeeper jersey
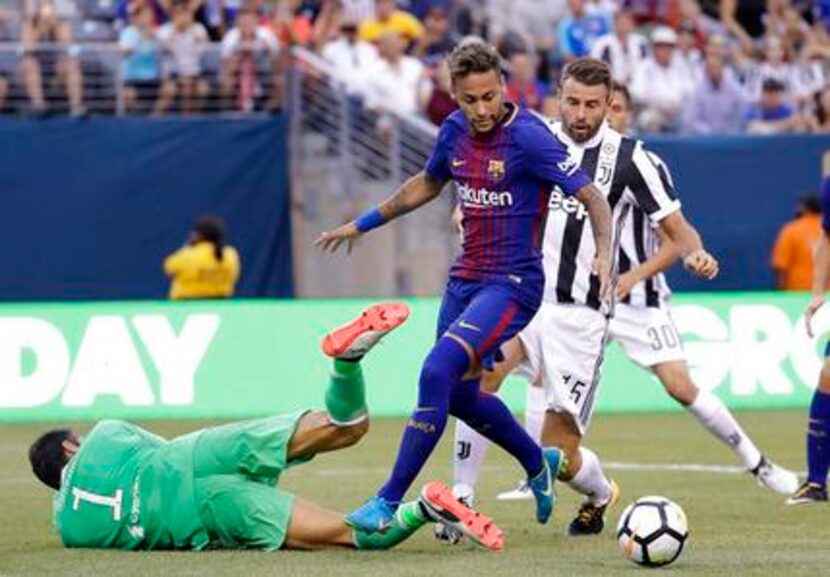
127	488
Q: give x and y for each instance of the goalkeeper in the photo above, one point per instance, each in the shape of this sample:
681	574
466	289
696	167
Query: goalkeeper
122	487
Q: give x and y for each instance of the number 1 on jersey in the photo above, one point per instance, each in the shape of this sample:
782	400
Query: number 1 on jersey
114	501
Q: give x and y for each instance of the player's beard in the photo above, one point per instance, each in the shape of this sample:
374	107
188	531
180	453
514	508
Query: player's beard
582	131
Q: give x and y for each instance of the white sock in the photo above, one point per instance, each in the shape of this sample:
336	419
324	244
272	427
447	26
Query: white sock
535	412
713	415
469	451
590	480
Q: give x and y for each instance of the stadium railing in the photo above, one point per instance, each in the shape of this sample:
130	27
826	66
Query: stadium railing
345	158
101	65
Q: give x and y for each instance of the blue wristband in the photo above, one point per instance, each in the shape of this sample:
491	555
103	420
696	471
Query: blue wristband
369	220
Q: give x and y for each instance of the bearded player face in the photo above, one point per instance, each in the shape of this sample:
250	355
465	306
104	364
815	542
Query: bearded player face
583	108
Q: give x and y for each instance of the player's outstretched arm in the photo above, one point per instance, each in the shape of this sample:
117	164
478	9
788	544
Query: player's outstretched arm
695	258
821	262
666	255
600	214
415	192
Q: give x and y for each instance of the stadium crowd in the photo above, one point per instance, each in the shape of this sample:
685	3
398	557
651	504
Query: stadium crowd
692	66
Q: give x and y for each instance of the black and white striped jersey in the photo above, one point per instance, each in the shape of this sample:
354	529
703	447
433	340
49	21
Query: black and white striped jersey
638	242
625	173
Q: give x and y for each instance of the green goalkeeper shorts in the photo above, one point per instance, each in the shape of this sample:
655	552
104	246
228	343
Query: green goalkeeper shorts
236	469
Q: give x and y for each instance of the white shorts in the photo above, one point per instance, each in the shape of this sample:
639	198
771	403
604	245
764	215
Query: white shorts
564	349
647	335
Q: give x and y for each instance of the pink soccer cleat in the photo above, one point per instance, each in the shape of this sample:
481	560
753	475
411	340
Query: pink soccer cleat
354	339
443	507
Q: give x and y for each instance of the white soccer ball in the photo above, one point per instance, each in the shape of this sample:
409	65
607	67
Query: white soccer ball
652	531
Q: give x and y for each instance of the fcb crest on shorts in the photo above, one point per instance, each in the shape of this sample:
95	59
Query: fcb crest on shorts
495	169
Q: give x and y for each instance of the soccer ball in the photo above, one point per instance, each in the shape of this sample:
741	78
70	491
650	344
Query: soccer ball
652	531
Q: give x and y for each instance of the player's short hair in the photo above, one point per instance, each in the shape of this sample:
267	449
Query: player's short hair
473	57
588	71
48	457
622	89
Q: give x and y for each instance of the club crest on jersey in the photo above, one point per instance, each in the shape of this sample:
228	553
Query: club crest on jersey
604	173
495	169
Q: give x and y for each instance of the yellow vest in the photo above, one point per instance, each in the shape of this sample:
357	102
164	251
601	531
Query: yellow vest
196	273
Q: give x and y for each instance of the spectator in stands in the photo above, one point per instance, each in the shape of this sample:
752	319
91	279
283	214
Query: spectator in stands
650	12
57	63
436	43
292	23
661	85
125	8
245	48
691	14
578	31
397	80
141	67
716	104
819	119
792	255
352	59
772	115
774	66
182	40
744	20
206	267
688	50
534	22
523	87
624	49
388	18
439	103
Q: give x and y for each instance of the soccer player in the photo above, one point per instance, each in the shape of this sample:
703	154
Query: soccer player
562	348
814	489
122	487
505	162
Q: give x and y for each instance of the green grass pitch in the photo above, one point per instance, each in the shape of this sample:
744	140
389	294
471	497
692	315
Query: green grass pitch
736	527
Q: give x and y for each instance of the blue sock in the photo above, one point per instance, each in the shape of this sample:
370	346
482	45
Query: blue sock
442	370
818	439
487	414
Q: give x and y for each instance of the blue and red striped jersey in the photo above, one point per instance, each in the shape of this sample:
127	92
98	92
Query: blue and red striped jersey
503	181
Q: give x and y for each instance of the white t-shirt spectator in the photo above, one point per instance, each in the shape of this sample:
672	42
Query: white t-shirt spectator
264	42
623	59
662	87
353	62
396	86
184	49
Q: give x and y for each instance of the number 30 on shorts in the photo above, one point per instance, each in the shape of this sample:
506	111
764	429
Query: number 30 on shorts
663	337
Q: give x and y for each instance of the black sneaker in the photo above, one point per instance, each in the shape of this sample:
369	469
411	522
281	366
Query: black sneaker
809	493
590	520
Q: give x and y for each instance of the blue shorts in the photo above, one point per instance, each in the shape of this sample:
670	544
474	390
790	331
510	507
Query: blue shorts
483	314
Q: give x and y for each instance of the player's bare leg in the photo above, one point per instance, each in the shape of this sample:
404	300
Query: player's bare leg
314	527
582	472
317	433
716	418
